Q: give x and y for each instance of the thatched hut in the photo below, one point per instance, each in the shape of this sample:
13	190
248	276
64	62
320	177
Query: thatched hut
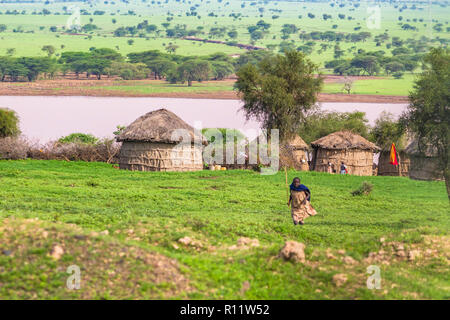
152	143
387	169
344	146
424	165
295	154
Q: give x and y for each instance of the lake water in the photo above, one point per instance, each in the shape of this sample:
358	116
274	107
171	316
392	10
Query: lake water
46	118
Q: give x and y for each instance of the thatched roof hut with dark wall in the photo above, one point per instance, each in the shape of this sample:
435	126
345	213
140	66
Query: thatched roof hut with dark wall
344	146
387	169
424	165
150	144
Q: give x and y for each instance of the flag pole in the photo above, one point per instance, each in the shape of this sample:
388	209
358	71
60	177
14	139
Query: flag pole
287	188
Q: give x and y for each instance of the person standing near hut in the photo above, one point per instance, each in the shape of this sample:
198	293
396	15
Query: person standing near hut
330	168
299	202
343	168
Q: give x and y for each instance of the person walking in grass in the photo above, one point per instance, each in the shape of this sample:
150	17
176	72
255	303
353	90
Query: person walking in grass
299	202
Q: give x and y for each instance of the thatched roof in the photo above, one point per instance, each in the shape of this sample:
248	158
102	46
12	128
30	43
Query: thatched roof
158	126
344	140
297	143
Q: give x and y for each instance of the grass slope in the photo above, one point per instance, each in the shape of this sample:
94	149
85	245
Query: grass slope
147	213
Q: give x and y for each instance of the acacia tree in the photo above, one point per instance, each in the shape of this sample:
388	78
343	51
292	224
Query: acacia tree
193	70
428	113
279	91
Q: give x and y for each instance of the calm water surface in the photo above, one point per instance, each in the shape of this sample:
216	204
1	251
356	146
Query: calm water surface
47	118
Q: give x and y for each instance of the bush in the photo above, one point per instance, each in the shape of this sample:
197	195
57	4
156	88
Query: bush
9	123
79	138
13	148
365	189
102	151
398	75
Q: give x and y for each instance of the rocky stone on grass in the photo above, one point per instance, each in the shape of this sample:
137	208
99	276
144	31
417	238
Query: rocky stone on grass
188	241
245	287
349	260
57	252
413	255
244	243
293	251
339	279
330	255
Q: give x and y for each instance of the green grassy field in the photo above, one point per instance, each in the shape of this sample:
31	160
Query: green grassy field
27	43
382	86
71	204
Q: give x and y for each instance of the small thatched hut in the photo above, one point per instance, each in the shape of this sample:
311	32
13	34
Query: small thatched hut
151	143
295	154
344	146
387	169
424	163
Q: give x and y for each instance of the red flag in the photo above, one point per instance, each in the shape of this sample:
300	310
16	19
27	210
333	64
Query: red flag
393	157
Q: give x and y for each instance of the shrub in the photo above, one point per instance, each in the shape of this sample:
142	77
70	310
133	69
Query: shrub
398	75
13	148
365	189
79	138
9	123
104	150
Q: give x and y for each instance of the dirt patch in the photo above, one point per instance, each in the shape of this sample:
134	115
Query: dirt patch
108	269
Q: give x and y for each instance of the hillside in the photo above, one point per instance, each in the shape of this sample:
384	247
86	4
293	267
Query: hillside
123	229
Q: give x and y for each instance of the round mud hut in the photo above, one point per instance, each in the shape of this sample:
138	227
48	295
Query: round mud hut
343	146
294	154
153	143
424	165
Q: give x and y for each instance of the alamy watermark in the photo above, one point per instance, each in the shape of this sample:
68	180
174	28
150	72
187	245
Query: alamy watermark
73	282
74	21
227	149
374	279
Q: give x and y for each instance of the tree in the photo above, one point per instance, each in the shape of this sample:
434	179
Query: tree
193	70
221	69
348	85
49	49
428	113
36	66
171	48
128	71
9	123
161	67
320	123
387	130
279	92
368	63
11	51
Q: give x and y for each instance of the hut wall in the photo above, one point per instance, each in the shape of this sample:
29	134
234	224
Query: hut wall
358	162
387	169
292	158
147	156
424	168
301	159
